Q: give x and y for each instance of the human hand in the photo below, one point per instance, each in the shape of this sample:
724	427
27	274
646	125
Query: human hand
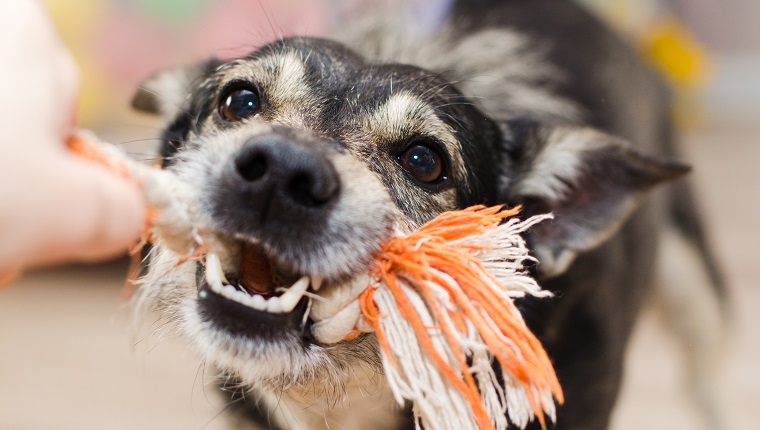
54	206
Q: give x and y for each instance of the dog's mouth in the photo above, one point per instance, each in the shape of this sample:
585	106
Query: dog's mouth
258	300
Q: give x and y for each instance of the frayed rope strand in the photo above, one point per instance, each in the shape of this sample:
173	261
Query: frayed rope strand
469	307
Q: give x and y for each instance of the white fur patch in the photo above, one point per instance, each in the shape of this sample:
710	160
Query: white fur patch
559	163
282	78
404	115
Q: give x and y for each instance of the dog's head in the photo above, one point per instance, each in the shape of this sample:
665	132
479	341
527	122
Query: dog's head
305	157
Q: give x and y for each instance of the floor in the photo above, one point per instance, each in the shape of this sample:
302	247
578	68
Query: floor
70	360
727	177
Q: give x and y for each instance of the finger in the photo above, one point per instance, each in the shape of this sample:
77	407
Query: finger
95	215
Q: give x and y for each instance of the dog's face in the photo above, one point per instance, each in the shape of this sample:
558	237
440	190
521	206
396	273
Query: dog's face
305	157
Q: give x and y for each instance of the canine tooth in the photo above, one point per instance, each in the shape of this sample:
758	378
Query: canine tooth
214	272
212	277
274	306
258	303
290	299
316	283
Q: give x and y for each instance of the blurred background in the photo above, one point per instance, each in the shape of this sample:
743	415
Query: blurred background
70	359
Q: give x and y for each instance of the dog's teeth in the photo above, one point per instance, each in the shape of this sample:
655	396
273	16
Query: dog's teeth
213	267
290	299
316	283
230	292
258	303
286	303
214	272
273	305
246	300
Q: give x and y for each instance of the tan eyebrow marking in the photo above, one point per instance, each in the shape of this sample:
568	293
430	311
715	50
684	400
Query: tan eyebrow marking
283	80
405	115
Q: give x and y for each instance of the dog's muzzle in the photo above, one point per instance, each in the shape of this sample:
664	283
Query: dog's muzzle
282	216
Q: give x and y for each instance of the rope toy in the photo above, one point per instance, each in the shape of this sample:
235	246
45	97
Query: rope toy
440	301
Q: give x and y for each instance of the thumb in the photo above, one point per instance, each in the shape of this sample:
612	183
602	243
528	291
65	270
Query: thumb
80	212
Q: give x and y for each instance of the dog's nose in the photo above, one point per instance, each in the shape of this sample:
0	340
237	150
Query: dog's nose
296	174
277	177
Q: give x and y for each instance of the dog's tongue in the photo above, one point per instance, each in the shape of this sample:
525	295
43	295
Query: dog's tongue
255	271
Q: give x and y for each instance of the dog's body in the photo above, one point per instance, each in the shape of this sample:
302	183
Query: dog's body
515	102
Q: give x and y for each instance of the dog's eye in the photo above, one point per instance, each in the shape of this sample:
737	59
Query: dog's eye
239	102
423	162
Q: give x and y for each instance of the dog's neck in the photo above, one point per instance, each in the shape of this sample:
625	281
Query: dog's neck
366	405
364	401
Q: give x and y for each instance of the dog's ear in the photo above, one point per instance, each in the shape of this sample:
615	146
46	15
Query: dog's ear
166	92
591	181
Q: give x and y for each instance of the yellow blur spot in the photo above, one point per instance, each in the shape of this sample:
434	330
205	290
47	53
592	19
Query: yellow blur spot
78	23
670	48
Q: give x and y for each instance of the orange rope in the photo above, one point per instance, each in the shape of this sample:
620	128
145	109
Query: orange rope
372	315
467	387
422	256
90	151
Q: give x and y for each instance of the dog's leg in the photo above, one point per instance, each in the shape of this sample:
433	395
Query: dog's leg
692	307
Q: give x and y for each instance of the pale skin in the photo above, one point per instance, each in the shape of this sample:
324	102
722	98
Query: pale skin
54	206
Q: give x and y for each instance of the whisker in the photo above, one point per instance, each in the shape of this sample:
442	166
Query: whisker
276	29
144	139
221	411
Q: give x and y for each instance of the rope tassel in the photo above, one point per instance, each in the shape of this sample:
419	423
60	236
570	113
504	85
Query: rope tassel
441	303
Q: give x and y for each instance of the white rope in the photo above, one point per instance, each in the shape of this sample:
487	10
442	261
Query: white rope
412	374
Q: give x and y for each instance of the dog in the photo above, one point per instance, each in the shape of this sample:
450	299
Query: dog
308	153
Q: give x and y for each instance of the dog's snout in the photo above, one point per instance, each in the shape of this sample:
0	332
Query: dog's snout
311	206
294	175
275	185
